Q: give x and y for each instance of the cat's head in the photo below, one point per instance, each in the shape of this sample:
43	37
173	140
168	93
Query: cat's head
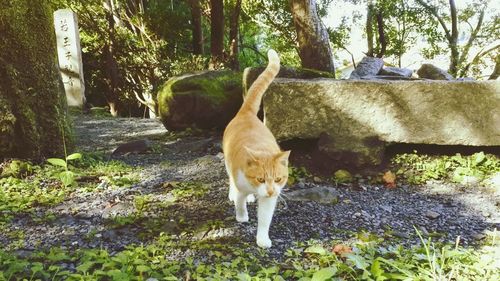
267	174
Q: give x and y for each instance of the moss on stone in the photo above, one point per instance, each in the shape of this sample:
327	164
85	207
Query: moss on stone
203	100
165	95
33	116
213	84
342	176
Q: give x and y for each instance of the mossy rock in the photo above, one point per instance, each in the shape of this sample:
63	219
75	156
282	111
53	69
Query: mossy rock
203	100
342	176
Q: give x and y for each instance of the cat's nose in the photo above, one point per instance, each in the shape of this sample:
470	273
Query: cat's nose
270	192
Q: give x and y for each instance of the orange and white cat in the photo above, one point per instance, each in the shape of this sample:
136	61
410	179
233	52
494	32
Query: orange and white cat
254	162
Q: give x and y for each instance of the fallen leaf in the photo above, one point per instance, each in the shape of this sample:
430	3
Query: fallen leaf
389	179
170	184
341	249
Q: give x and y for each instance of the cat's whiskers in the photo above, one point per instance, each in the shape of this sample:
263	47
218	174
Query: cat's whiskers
281	198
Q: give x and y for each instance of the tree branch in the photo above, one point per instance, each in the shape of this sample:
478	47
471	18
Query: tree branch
433	11
472	37
476	58
454	22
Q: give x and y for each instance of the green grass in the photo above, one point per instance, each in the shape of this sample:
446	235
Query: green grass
233	260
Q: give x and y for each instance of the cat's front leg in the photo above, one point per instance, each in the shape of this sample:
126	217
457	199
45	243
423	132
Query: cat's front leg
265	215
232	190
240	206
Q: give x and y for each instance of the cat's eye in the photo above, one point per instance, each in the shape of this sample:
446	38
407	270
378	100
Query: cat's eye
277	179
261	180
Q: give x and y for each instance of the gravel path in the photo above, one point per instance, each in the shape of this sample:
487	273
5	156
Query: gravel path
84	219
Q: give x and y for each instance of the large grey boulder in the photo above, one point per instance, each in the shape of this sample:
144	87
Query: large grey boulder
396	71
359	117
367	68
429	71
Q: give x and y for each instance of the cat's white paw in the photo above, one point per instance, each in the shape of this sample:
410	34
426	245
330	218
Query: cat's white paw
251	198
242	218
264	242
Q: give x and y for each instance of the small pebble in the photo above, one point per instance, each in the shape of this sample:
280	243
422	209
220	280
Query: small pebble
478	236
432	214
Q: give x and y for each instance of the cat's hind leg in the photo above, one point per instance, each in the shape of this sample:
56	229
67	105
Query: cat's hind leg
232	185
240	206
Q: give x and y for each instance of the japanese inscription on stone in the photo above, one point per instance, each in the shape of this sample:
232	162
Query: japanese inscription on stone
69	55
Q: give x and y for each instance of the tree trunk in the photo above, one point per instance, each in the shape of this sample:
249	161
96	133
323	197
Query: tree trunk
233	36
312	37
197	28
369	28
216	33
33	109
453	40
381	35
110	61
496	71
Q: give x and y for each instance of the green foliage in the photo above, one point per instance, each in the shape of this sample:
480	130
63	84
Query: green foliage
417	169
189	64
471	35
183	190
232	260
111	174
402	22
23	195
296	173
41	187
67	177
274	20
17	169
131	55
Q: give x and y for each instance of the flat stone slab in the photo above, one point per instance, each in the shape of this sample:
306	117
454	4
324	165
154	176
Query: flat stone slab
426	112
320	194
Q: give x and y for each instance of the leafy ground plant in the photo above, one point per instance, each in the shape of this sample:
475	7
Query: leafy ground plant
420	168
186	189
296	173
67	177
366	259
41	187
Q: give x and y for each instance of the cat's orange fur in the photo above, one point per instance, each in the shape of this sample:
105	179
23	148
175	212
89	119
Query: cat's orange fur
254	161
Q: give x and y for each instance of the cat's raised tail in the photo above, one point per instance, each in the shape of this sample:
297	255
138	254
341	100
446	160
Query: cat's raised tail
259	87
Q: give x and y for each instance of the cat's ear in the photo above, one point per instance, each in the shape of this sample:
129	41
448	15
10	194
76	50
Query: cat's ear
282	157
252	159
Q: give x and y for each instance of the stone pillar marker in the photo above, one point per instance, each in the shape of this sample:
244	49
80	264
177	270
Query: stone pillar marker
69	54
